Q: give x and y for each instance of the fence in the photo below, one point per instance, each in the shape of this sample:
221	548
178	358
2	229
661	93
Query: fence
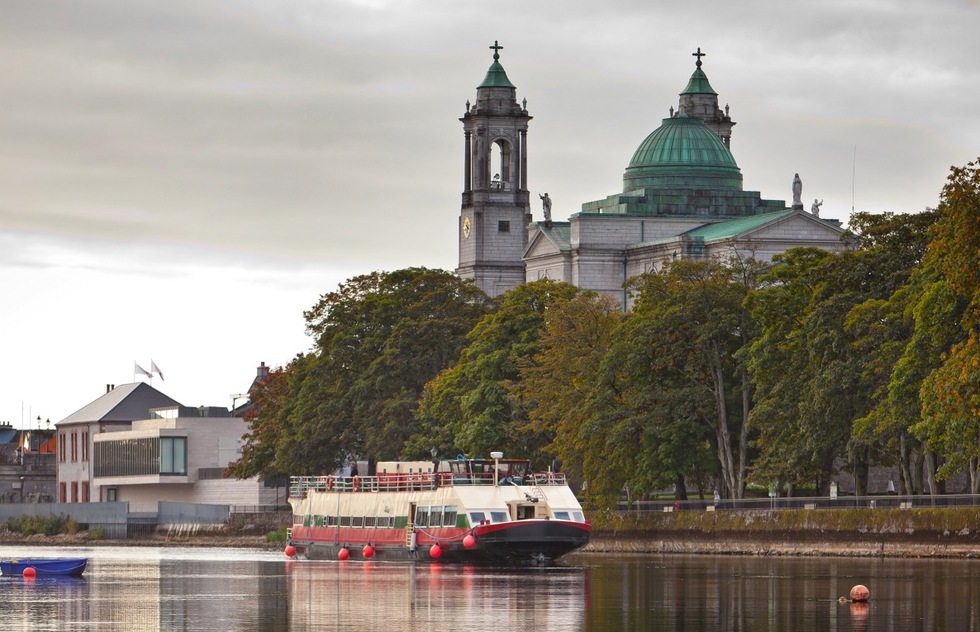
890	501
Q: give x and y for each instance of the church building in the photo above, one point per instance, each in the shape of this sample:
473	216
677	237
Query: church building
682	197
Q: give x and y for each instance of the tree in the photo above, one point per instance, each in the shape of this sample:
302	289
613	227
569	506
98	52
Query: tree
558	384
471	407
951	393
680	370
378	339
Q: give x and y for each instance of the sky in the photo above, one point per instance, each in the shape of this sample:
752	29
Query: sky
180	180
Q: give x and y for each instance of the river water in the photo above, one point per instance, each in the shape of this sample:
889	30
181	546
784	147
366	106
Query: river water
143	588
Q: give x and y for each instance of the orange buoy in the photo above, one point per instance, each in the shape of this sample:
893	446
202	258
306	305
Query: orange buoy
343	554
435	552
860	593
29	572
368	551
290	550
469	541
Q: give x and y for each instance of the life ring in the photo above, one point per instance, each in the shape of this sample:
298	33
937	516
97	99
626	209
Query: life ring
356	483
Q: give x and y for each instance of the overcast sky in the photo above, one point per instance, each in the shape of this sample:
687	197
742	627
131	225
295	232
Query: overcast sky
179	180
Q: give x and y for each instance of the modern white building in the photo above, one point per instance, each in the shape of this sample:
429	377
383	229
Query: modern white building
135	444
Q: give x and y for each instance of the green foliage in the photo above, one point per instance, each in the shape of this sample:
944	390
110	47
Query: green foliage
378	339
46	525
279	535
98	533
951	392
473	407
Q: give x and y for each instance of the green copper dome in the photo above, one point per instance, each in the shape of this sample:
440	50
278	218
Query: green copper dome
683	152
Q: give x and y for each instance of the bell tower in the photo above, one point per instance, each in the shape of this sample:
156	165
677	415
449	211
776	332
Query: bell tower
495	206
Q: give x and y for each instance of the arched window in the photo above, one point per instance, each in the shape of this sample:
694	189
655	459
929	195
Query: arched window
500	165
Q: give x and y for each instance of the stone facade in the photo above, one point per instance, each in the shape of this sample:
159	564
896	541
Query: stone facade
682	198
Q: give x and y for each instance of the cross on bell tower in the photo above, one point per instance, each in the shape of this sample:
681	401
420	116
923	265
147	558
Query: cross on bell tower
495	207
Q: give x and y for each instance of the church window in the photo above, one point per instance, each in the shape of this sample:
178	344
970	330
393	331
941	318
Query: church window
500	165
503	226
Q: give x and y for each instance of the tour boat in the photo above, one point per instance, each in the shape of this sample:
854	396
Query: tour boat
466	510
44	566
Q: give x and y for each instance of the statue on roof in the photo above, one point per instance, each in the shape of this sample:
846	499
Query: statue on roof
815	207
797	191
546	207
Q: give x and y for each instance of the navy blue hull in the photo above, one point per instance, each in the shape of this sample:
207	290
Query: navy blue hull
526	541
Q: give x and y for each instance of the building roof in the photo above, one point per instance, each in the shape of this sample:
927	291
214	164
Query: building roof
698	83
559	234
738	227
496	76
123	403
683	153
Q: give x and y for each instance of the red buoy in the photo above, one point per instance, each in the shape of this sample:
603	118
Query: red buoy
860	593
469	541
30	573
343	554
290	551
368	551
435	552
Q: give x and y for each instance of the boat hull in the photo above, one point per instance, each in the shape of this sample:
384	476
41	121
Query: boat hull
45	566
526	541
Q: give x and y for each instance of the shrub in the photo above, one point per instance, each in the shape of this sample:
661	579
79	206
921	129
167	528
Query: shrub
279	535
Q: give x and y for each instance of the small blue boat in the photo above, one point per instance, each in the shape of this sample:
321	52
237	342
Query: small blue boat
45	565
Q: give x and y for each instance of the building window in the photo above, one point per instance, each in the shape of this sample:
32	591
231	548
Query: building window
62	448
85	492
74	491
74	446
84	445
503	226
110	494
62	493
173	455
141	457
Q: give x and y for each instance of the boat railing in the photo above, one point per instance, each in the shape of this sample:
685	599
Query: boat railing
300	486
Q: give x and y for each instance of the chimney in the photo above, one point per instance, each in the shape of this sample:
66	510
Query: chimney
262	372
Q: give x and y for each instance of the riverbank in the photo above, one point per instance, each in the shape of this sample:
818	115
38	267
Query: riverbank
898	533
894	533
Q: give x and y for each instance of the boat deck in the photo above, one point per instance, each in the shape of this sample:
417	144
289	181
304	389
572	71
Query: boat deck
300	486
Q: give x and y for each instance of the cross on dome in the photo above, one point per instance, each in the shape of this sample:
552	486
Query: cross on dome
698	54
497	47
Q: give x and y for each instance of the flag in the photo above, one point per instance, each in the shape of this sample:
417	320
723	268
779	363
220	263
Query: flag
27	442
155	369
141	371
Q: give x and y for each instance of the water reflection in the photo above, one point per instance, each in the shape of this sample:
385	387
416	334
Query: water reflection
377	596
227	589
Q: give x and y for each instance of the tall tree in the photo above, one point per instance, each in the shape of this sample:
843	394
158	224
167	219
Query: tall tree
558	385
378	339
951	393
472	407
680	348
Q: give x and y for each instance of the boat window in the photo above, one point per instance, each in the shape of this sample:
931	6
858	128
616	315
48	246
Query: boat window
476	517
331	521
370	521
498	516
435	517
561	515
422	517
449	516
345	521
578	516
317	521
358	521
386	521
